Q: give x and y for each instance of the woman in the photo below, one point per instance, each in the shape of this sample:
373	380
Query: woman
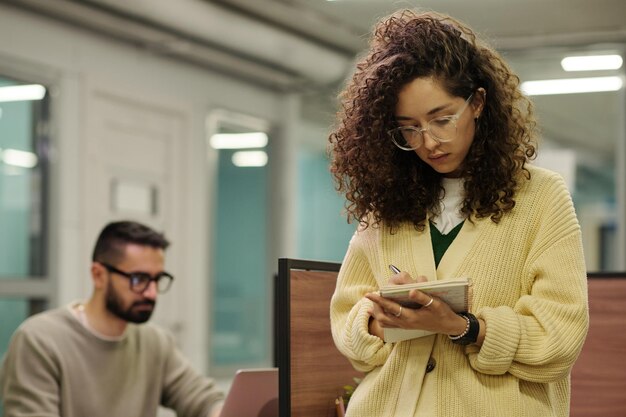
432	151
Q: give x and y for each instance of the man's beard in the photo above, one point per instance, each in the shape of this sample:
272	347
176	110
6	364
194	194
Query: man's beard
114	305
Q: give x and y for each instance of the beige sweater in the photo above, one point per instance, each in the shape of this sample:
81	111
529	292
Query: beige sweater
56	367
529	286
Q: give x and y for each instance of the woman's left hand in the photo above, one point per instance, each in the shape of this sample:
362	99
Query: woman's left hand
434	315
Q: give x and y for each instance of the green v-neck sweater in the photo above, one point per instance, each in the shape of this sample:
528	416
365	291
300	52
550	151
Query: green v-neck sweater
441	242
529	286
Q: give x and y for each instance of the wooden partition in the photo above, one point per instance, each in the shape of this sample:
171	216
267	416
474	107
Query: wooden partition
311	370
599	375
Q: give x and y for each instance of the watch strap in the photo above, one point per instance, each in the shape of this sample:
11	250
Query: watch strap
472	329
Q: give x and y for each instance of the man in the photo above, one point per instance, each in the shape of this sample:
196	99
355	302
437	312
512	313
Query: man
96	358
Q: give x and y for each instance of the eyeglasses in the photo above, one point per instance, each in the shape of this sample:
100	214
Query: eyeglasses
140	281
441	129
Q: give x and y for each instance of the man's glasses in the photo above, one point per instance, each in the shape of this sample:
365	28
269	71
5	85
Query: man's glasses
441	129
140	281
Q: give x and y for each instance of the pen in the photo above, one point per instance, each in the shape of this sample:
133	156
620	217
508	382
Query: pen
394	269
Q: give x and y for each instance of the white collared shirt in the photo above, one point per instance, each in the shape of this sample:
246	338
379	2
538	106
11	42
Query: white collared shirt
451	203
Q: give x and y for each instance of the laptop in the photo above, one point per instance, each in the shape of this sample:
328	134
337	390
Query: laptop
253	393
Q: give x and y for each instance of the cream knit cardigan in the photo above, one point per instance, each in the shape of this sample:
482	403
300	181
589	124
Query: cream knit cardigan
529	286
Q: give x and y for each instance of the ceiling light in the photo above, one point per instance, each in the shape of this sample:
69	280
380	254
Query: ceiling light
22	92
250	158
571	86
17	158
592	62
239	140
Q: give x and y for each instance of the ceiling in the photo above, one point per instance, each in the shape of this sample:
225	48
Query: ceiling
512	24
309	46
532	34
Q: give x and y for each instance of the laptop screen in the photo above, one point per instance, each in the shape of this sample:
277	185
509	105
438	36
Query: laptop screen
253	393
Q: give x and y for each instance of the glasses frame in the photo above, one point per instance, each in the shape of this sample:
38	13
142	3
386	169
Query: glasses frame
133	276
452	118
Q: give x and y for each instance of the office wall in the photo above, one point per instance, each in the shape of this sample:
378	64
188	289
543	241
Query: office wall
80	69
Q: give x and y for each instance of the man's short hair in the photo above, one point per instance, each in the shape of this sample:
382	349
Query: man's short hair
113	239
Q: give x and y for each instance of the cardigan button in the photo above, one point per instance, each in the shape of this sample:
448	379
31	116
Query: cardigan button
431	364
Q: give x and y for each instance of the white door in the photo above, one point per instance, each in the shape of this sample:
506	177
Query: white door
134	169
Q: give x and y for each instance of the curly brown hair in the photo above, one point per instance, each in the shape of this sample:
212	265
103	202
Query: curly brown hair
384	183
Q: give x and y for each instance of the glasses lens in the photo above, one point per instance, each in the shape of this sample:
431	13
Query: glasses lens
407	138
443	128
164	282
139	282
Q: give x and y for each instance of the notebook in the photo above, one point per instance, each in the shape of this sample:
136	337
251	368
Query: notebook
253	393
454	292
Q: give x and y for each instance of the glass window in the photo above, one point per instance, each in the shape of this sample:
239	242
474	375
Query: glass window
23	197
22	185
323	230
241	289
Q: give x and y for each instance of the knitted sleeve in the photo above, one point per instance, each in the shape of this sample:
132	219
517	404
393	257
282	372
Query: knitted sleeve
185	390
349	311
540	338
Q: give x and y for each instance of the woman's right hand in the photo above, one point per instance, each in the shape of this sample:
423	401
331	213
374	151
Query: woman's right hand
405	278
374	326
